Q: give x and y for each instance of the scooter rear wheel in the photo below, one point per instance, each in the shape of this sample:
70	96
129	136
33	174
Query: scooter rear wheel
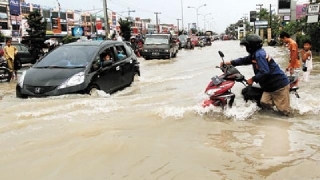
5	74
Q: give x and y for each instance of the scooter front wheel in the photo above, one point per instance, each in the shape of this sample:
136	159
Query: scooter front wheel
5	74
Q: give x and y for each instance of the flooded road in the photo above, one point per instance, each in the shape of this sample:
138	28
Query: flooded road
157	129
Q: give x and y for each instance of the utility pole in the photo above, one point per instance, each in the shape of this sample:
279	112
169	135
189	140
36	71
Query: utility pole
106	23
129	11
157	22
178	24
182	26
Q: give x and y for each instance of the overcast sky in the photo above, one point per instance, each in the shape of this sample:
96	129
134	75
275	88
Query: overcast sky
223	12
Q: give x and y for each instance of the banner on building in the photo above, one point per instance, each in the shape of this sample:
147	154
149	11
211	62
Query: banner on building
24	26
14	6
301	10
284	6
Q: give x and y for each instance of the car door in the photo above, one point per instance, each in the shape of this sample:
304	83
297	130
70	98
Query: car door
105	77
129	66
24	54
120	59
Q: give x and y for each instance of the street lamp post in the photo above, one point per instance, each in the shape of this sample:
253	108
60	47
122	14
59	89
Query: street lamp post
204	21
178	24
197	9
182	16
157	21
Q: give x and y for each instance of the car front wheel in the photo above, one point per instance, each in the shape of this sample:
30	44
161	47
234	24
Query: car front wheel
93	90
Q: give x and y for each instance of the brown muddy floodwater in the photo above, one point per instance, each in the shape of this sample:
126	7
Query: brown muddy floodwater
157	129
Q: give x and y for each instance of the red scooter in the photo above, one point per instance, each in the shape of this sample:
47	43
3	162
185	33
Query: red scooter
219	88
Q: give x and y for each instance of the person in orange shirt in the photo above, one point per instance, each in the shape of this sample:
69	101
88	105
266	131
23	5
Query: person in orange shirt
294	63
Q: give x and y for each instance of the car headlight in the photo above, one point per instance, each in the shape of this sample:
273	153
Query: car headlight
73	81
21	78
167	50
145	50
211	92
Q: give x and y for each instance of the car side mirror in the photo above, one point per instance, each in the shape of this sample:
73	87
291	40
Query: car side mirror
107	63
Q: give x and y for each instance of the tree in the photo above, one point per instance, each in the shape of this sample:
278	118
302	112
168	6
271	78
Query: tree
125	27
36	33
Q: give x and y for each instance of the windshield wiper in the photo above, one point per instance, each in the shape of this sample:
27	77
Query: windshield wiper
60	67
51	67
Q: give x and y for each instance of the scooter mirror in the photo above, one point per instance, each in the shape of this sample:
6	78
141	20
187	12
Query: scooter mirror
221	54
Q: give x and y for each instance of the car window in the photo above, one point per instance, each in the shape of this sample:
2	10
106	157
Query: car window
17	46
122	54
156	40
128	50
107	51
68	57
24	48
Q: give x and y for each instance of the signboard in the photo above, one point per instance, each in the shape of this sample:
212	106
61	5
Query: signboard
98	25
313	9
77	31
286	18
253	16
313	19
284	6
24	26
261	24
56	25
14	6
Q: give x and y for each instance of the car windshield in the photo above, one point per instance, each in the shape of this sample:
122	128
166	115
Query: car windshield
183	37
156	40
68	57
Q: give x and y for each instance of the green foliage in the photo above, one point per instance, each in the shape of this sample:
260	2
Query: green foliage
182	32
125	27
36	33
37	29
193	30
312	30
68	39
3	38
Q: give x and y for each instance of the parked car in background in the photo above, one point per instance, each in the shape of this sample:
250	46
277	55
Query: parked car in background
23	54
182	41
159	46
80	67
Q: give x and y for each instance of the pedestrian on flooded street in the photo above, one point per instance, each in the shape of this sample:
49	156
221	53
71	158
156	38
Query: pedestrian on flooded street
306	56
294	63
9	54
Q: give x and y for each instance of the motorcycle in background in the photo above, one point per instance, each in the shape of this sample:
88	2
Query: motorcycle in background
219	88
5	74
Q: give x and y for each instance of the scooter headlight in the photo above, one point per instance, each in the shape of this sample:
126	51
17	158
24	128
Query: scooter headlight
211	92
73	81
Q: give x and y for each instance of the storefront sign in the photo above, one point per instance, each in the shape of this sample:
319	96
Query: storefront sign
313	9
14	7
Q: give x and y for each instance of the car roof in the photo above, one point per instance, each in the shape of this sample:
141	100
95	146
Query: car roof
94	43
